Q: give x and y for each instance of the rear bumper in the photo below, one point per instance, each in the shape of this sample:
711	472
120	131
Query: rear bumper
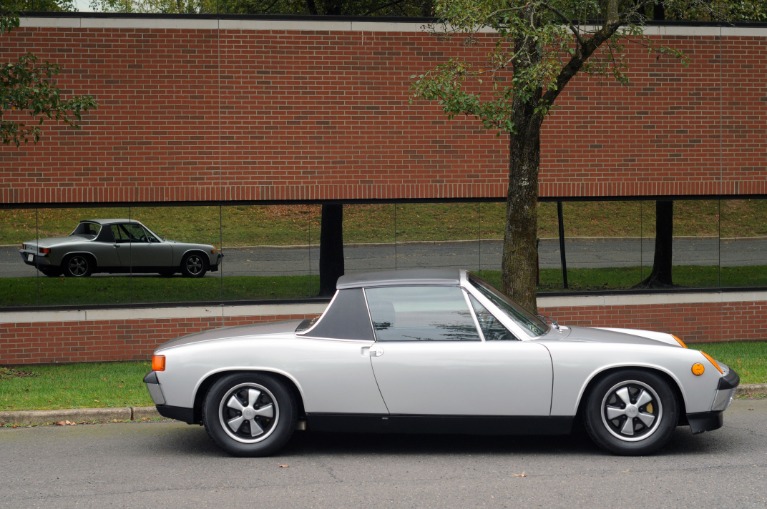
153	386
171	412
30	258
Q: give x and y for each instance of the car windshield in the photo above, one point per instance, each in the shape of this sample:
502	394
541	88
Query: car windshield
87	229
529	322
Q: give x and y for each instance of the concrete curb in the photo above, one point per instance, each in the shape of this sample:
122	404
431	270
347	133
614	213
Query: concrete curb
753	390
127	414
77	416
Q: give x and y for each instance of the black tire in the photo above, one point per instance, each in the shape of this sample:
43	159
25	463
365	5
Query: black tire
194	265
631	413
250	414
78	265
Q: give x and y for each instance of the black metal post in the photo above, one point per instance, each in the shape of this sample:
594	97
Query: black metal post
561	220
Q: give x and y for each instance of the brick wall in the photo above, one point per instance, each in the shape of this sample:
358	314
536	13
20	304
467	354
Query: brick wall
115	335
223	111
102	340
217	110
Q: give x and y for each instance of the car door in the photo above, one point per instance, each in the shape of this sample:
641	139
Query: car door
146	250
430	358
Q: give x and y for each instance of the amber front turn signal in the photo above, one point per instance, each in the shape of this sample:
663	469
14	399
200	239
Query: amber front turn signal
158	363
698	369
713	362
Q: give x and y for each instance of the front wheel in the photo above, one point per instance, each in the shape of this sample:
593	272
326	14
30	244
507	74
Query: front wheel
631	412
250	414
194	265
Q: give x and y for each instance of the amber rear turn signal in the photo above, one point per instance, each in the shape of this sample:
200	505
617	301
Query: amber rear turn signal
158	363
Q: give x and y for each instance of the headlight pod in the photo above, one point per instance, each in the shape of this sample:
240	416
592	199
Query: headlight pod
698	368
712	361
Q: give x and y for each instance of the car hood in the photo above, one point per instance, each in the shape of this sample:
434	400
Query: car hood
619	336
270	330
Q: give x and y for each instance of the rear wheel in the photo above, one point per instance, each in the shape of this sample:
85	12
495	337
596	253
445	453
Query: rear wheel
250	414
631	412
77	265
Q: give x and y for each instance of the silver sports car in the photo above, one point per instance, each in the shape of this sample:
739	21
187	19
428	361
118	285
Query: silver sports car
117	245
436	351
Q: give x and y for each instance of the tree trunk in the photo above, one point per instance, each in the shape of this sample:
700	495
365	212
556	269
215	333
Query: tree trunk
520	246
331	247
661	275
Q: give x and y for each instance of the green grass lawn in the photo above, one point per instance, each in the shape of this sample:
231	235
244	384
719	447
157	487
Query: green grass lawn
62	386
749	359
120	384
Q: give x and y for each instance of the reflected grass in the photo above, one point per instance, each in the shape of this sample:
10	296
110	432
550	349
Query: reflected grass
120	290
62	291
299	224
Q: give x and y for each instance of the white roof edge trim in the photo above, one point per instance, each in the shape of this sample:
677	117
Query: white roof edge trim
331	25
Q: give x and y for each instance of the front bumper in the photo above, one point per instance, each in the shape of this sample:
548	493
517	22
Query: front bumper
725	392
216	262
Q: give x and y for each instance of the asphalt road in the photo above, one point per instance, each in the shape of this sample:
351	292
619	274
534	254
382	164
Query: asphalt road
485	254
171	465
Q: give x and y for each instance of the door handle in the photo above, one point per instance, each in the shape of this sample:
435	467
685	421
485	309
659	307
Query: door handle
372	351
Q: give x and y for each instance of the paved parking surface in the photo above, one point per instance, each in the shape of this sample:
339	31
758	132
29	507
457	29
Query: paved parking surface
168	464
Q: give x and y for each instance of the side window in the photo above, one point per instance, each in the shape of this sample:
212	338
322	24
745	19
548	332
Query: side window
421	313
119	234
492	329
135	232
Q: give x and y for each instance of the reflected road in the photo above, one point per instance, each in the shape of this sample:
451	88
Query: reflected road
486	254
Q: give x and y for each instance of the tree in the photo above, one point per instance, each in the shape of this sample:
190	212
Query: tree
295	7
28	86
540	45
15	6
